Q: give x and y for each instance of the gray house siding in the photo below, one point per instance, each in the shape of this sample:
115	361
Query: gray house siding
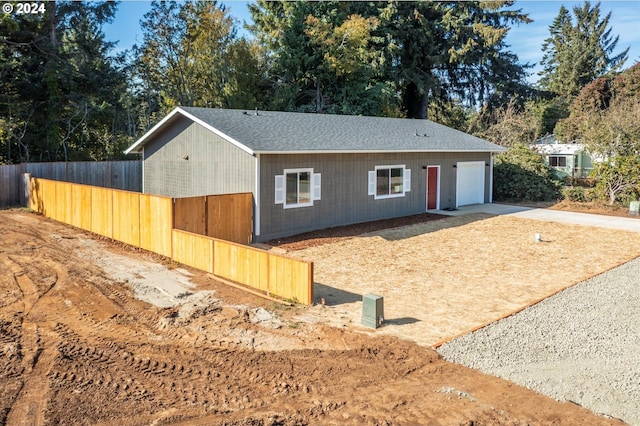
344	199
187	160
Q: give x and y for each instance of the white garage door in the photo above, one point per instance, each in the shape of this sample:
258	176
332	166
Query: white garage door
470	186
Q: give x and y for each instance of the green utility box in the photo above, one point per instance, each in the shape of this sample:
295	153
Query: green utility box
372	310
634	208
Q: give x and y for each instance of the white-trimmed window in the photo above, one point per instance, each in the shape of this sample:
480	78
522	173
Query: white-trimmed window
297	188
557	161
389	181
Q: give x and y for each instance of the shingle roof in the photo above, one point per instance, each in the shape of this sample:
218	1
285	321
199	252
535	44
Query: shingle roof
289	132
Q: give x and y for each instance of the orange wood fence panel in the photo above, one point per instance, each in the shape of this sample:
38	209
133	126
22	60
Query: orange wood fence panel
62	206
227	216
126	217
156	222
276	275
47	192
108	212
190	214
146	221
242	264
49	198
35	195
102	211
230	217
80	207
193	250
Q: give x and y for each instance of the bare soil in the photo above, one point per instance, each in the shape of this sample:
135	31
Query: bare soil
583	207
341	233
79	346
443	278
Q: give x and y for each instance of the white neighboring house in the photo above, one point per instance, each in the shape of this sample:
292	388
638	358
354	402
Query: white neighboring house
569	159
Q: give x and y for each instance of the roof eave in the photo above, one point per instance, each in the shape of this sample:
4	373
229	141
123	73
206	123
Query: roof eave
139	144
378	151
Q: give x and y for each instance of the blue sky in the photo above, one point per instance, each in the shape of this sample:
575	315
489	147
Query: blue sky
525	40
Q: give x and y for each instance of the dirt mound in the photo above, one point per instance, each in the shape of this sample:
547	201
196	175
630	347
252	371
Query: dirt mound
79	348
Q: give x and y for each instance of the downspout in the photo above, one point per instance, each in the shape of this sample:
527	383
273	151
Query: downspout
142	183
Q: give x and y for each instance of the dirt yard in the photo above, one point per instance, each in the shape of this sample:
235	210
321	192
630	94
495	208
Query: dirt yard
81	343
581	207
445	277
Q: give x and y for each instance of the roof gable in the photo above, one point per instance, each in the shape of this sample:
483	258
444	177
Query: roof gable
290	132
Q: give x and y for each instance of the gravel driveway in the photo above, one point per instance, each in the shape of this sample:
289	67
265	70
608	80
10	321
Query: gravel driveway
581	345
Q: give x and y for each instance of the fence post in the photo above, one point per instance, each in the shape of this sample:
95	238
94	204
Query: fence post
173	212
25	189
206	215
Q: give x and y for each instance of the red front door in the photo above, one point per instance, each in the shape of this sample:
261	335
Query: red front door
432	188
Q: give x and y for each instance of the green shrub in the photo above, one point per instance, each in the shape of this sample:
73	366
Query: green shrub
618	179
520	174
574	193
591	194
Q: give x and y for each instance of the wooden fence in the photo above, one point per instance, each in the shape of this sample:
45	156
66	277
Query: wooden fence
270	273
141	220
9	185
125	175
146	221
226	217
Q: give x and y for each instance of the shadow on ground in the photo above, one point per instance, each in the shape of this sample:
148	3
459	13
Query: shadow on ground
414	230
400	321
333	296
433	221
330	235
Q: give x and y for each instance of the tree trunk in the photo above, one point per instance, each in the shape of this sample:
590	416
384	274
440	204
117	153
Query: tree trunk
52	25
318	97
416	103
52	85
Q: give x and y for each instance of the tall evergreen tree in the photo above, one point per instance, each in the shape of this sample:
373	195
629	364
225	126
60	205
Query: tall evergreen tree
454	50
191	56
579	50
61	85
324	56
402	56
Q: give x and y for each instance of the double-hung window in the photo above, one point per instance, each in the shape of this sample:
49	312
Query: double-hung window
297	188
389	181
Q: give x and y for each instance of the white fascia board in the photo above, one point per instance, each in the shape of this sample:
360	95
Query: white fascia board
142	152
256	214
490	179
144	137
207	126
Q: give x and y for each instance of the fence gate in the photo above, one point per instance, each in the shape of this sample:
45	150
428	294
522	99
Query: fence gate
227	217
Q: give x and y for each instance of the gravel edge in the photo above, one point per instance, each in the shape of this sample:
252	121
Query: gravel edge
580	345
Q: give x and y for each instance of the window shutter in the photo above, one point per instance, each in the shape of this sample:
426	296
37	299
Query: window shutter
407	180
279	189
372	183
316	186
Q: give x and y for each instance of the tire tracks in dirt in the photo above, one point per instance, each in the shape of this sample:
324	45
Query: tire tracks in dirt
80	349
29	405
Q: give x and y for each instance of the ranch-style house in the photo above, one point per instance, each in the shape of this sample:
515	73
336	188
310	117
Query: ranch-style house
314	171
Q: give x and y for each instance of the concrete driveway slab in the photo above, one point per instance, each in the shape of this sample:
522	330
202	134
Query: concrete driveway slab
613	222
